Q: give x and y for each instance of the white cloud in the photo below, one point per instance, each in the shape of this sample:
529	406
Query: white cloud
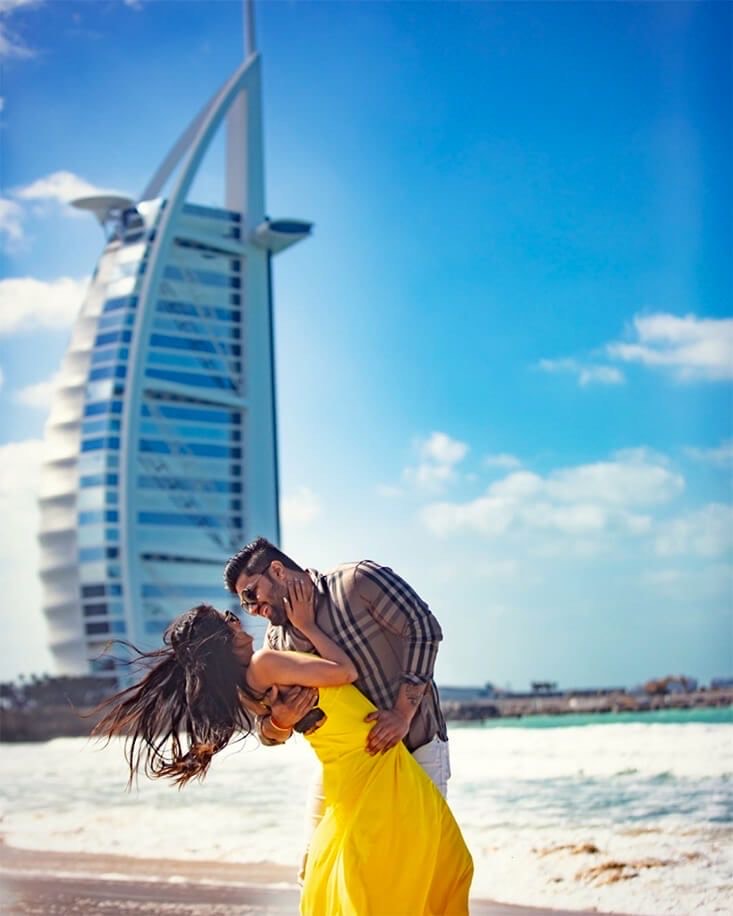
27	303
439	455
61	186
691	347
301	507
691	586
39	395
134	4
24	634
502	460
587	374
388	490
11	44
496	569
706	532
11	220
8	6
441	448
586	499
721	455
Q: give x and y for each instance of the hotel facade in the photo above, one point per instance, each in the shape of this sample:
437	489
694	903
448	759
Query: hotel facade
161	442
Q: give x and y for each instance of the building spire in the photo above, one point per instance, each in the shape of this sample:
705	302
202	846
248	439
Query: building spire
250	43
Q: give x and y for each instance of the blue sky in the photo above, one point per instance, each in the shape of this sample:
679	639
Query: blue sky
505	356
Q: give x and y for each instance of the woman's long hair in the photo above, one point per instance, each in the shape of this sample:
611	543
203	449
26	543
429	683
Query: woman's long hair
196	687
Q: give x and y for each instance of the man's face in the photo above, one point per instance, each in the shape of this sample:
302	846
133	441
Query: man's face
262	596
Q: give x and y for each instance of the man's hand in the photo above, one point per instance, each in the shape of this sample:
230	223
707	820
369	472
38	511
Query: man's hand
391	728
289	705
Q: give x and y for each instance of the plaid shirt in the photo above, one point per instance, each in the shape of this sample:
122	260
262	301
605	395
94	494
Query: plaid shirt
387	630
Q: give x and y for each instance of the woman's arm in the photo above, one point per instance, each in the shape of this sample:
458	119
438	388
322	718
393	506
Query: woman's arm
270	667
334	667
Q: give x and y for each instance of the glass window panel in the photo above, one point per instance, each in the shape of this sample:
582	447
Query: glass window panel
197	449
120	302
191	521
109	355
102	372
93	554
91	498
92	572
90	535
202	363
95	610
189	378
204	415
148	482
179	465
150	428
91	518
112	337
100	391
116	321
188	326
94	445
103	407
172	590
194	343
176	307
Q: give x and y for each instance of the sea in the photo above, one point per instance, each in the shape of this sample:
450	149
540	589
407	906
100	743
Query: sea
623	813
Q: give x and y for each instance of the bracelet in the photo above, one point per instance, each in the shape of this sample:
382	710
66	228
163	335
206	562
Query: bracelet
280	728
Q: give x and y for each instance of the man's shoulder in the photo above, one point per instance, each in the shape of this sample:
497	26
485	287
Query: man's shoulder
346	575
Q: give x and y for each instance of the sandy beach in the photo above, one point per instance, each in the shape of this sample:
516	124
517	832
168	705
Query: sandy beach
33	882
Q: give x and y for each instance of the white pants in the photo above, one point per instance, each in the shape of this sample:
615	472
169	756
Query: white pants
433	757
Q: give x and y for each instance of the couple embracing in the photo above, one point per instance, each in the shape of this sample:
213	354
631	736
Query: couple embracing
348	661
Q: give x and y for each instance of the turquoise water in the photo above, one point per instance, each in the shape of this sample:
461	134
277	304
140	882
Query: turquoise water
713	716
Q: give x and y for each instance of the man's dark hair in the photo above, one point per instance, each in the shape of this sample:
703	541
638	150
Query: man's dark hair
254	558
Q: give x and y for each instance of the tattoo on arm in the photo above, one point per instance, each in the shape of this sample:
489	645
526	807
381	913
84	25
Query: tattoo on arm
414	694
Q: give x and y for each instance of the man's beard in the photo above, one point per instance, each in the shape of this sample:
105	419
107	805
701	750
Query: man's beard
278	617
278	614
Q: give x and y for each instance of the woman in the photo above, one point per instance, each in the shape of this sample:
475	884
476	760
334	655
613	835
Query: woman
388	843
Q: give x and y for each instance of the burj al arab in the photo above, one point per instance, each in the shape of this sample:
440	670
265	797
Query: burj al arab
161	443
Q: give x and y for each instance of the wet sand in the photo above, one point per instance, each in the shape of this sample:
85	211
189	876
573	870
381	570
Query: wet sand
75	884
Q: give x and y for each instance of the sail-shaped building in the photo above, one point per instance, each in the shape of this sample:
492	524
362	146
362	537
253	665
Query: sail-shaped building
161	442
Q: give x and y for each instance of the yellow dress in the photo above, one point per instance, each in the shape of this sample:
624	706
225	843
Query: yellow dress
388	844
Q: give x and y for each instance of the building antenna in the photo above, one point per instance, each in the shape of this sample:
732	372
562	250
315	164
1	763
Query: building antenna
249	27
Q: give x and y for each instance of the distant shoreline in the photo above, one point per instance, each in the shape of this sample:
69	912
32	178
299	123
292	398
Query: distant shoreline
45	722
620	701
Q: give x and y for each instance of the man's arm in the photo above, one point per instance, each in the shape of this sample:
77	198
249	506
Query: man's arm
398	608
287	707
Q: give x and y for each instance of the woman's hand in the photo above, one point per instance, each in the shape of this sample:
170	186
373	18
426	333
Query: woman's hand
300	605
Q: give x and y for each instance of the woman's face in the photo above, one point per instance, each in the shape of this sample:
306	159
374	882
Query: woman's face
242	642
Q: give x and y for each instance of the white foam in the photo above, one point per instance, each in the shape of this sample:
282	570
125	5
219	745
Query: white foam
635	791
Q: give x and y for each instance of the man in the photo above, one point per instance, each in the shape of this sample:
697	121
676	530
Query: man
385	627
